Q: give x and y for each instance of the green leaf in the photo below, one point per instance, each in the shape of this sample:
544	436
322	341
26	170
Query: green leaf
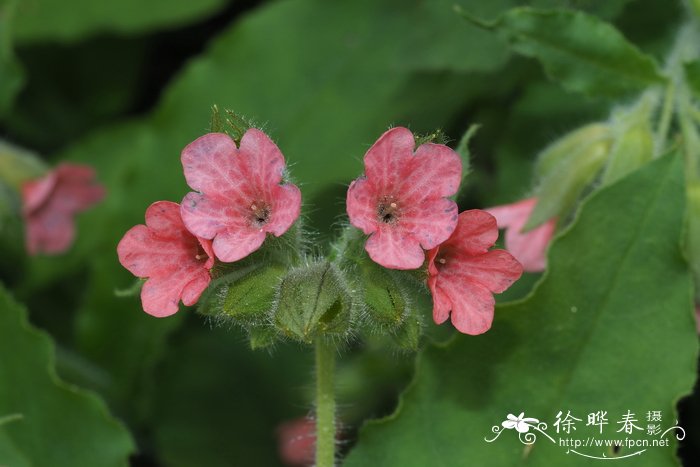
581	51
54	424
11	76
610	327
446	44
71	20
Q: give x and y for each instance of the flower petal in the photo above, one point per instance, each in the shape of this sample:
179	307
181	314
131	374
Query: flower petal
476	232
260	160
530	248
160	296
193	290
472	305
393	249
387	160
361	205
208	163
434	171
237	243
431	222
441	302
160	247
508	214
49	231
285	210
163	218
36	192
496	269
205	216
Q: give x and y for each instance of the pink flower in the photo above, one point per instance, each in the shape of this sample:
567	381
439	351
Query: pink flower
530	248
240	198
175	262
297	441
50	203
464	274
401	201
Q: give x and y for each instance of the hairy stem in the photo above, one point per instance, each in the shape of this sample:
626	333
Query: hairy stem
325	404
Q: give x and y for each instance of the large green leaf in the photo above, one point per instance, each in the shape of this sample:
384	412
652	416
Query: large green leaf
610	327
581	51
69	20
51	423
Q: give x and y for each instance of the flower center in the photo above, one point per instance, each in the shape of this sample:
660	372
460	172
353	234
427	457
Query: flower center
388	210
259	213
200	254
440	262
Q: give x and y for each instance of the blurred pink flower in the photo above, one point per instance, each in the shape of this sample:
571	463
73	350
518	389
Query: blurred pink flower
175	262
530	248
464	274
239	197
296	441
50	203
401	200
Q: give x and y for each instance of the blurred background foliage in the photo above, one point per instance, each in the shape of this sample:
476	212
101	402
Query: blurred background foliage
125	85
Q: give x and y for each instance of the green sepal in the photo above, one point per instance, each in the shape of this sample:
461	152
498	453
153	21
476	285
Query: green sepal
386	300
131	291
408	335
314	301
633	146
559	191
245	296
262	336
564	147
230	123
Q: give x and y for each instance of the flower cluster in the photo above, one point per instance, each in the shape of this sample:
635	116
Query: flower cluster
402	203
239	198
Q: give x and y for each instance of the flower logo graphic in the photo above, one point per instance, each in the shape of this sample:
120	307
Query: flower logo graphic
520	423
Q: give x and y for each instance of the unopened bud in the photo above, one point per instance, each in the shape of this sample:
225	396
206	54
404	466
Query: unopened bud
568	145
633	145
559	191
